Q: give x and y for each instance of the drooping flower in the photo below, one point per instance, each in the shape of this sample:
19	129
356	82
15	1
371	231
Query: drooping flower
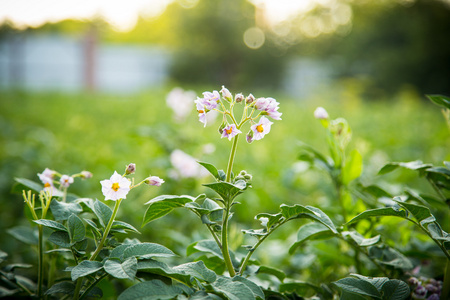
115	188
226	93
213	96
261	129
204	105
230	131
66	180
320	113
154	180
261	103
239	98
269	106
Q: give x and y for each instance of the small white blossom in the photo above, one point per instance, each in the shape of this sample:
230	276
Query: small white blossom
320	113
66	180
115	188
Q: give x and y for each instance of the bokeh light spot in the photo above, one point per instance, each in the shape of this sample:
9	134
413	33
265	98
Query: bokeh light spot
254	38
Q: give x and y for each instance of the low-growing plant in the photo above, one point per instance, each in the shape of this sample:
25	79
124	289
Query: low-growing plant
78	247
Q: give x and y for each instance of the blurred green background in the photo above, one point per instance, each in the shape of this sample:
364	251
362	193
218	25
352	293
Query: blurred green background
370	62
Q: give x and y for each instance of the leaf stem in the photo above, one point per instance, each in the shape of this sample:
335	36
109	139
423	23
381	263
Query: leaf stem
231	158
225	251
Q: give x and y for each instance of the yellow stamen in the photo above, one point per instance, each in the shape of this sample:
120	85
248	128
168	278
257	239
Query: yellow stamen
259	128
47	185
229	130
115	186
201	111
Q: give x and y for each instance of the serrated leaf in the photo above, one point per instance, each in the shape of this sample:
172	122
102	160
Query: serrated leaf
378	212
211	169
61	211
103	213
311	231
272	271
122	270
164	204
358	286
147	250
85	268
232	290
77	231
24	234
151	290
51	224
395	289
352	168
60	238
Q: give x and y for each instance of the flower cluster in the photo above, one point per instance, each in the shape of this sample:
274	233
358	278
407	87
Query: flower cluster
50	177
255	110
118	186
425	288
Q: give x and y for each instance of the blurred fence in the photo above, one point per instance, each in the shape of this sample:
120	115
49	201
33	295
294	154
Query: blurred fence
55	62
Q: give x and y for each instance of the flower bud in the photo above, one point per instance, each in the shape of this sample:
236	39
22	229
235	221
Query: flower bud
239	98
222	127
320	113
249	137
226	94
250	98
86	174
154	180
131	168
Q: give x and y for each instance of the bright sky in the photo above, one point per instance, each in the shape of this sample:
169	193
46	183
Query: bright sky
121	14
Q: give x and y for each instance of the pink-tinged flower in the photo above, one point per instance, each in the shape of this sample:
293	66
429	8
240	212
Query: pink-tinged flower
226	93
320	113
47	181
203	106
261	129
50	174
230	131
274	114
154	180
131	168
261	104
115	188
212	97
249	137
66	180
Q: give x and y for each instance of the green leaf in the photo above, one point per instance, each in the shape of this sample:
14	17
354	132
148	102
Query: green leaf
412	165
272	271
227	190
300	287
123	225
375	281
211	169
60	238
358	286
395	289
26	184
257	291
64	287
85	268
61	211
233	290
310	212
360	240
311	231
124	270
24	234
151	290
420	212
352	168
440	170
164	204
208	246
440	100
273	218
160	268
51	224
378	212
93	226
118	251
197	270
77	231
103	213
147	250
315	157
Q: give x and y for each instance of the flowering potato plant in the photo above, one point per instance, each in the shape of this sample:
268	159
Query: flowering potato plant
79	245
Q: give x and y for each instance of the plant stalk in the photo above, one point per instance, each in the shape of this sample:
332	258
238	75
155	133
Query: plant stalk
231	159
445	293
40	261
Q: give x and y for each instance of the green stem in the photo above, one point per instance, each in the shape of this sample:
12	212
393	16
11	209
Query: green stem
231	159
40	261
225	252
99	247
445	293
92	285
250	253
